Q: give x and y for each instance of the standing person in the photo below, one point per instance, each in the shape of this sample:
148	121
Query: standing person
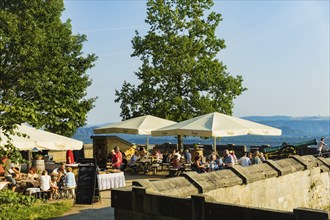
69	157
117	159
320	147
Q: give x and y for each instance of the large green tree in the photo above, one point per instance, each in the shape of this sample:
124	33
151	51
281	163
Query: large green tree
43	78
180	75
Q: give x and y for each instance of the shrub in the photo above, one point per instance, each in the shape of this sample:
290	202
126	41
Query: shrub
16	206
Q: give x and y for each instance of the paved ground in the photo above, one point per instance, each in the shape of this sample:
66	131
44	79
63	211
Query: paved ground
104	210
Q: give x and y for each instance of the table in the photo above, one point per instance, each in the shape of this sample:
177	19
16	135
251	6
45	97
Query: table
111	180
35	183
4	185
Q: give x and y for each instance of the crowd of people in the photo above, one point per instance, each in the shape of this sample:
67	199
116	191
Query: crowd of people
140	160
59	179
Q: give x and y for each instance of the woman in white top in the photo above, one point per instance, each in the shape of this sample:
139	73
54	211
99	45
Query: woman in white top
44	181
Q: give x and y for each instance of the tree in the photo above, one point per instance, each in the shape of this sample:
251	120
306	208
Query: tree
43	78
180	74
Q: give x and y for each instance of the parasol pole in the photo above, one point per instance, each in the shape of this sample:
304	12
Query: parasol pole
214	143
147	143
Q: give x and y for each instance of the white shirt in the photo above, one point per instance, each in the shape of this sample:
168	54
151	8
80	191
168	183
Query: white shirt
44	182
245	161
179	155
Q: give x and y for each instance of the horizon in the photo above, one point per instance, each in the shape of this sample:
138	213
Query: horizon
270	116
281	48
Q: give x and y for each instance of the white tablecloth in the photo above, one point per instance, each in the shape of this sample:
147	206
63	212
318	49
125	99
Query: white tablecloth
3	185
111	180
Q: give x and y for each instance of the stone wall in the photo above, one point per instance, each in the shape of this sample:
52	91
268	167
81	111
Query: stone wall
271	190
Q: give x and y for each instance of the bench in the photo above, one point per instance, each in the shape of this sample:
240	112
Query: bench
154	168
174	172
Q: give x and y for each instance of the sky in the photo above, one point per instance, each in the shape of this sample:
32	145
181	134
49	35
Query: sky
280	48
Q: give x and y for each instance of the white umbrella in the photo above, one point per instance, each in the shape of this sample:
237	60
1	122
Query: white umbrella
216	125
41	140
142	125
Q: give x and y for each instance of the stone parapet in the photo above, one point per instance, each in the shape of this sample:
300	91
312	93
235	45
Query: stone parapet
237	193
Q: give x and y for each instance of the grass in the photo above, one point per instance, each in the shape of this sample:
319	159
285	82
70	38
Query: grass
16	206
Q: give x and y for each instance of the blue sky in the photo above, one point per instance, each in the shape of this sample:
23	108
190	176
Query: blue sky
281	48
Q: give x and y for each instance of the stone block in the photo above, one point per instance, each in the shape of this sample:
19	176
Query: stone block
311	159
279	169
122	198
307	162
170	207
324	161
290	165
310	214
233	211
255	172
179	186
212	180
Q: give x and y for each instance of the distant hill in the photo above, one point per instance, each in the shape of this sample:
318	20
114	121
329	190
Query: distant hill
315	126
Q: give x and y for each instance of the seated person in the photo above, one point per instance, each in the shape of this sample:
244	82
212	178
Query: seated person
176	162
228	160
187	156
60	174
176	165
11	175
32	180
213	165
198	166
32	174
59	170
53	185
70	180
133	160
44	181
157	155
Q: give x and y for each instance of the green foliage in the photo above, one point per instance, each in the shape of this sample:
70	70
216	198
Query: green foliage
43	78
180	75
10	199
17	206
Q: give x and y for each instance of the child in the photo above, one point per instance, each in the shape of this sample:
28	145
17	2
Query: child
53	186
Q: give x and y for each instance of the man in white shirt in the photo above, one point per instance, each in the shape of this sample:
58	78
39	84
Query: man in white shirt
245	161
320	147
